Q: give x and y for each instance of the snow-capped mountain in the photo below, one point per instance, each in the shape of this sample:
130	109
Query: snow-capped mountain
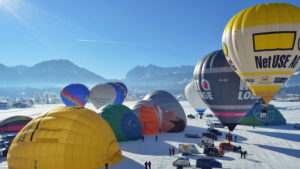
53	73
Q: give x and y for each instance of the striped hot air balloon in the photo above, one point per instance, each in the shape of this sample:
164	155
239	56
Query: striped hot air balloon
262	43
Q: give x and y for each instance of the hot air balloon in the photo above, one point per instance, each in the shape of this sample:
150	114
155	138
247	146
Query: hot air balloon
194	98
123	88
13	124
173	117
75	95
121	91
149	115
222	90
262	44
65	137
123	122
263	115
102	94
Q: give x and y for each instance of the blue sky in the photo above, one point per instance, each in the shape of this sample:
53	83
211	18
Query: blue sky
109	37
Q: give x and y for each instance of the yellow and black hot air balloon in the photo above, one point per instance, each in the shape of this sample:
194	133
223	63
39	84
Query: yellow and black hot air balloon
64	138
262	43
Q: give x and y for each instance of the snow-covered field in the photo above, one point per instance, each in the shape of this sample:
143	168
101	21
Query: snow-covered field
267	147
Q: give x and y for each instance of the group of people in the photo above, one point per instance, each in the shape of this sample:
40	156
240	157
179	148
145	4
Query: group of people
171	151
147	165
156	138
243	154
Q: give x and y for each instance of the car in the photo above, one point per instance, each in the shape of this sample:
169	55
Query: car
182	162
209	115
297	125
187	149
218	125
211	151
192	135
208	163
210	135
191	116
206	142
214	131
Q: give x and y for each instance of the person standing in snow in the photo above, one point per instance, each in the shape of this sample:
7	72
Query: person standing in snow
173	150
149	164
235	137
241	154
156	137
170	152
244	154
146	165
106	165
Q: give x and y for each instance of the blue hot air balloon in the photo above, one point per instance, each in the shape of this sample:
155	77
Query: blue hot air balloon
75	94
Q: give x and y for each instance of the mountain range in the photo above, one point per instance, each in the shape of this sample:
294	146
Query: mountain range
53	73
140	79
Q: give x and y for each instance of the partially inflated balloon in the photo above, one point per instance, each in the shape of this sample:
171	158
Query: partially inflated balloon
75	95
123	122
173	117
13	124
194	98
150	116
102	94
262	43
222	90
64	138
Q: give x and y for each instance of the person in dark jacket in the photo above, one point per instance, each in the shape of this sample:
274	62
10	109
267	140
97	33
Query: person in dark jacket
242	154
149	164
156	137
173	150
146	165
170	151
106	165
143	138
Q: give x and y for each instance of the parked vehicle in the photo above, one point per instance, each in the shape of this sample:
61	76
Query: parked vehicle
188	149
191	116
208	163
297	125
209	115
210	135
182	162
206	142
214	131
192	135
212	151
218	125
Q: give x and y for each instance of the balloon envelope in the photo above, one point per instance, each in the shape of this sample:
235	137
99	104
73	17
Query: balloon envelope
194	98
222	90
102	94
149	115
13	124
123	122
75	95
262	45
173	114
65	137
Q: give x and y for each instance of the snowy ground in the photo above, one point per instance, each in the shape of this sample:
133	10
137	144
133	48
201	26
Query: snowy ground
268	147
